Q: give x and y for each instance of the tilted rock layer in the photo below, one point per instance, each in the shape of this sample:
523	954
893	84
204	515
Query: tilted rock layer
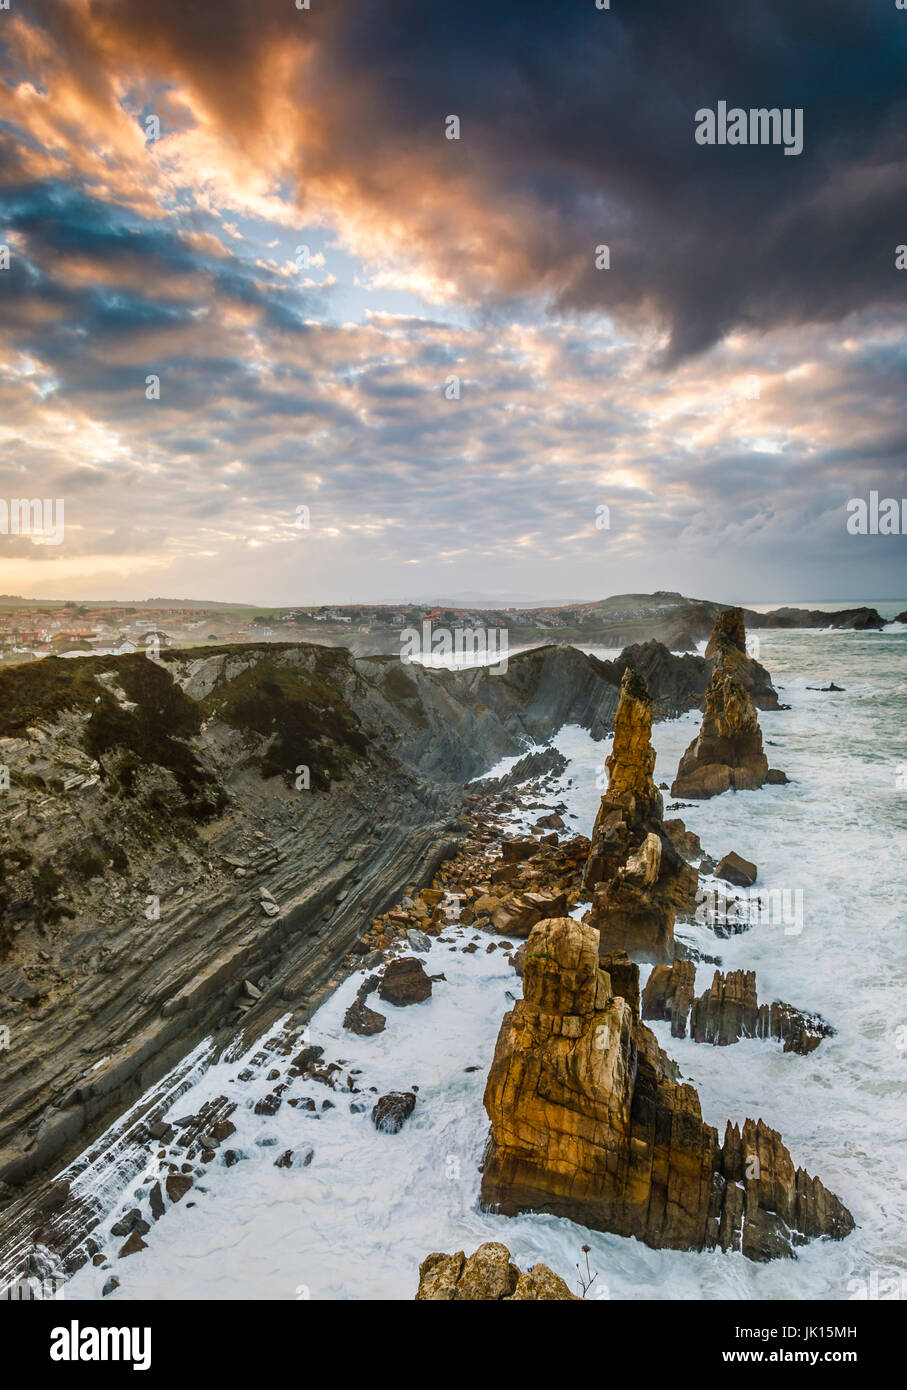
590	1121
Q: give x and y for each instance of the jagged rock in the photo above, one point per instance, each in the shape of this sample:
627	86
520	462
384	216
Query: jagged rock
293	1158
487	1276
404	982
727	752
391	1112
635	876
728	643
417	940
669	994
133	1245
728	1010
590	1121
517	914
733	868
363	1021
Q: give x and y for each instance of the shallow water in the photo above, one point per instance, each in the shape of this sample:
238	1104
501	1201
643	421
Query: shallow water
359	1219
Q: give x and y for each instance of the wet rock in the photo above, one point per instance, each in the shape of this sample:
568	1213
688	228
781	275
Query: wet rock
590	1121
686	842
133	1245
111	1285
417	940
268	1105
776	778
156	1202
177	1185
363	1021
487	1276
391	1112
295	1158
132	1221
404	982
733	868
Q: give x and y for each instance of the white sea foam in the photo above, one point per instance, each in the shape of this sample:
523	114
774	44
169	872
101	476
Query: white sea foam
357	1222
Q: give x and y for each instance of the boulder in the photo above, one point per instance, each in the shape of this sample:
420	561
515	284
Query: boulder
391	1112
486	1276
404	982
591	1121
363	1021
733	868
686	842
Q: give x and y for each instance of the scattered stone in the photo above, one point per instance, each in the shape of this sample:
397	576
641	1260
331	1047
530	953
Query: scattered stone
392	1111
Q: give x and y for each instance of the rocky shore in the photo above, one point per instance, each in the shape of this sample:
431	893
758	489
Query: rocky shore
268	894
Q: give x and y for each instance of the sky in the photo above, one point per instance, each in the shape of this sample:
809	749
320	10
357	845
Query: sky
271	336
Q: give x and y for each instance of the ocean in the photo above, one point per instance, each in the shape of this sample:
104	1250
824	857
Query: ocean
358	1220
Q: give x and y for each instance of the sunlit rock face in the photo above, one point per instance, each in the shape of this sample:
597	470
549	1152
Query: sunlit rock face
727	752
635	876
591	1121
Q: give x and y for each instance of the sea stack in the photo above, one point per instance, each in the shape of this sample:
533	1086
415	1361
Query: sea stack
728	642
591	1121
727	752
635	876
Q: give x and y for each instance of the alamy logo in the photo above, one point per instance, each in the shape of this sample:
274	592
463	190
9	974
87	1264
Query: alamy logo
874	517
42	519
760	125
75	1343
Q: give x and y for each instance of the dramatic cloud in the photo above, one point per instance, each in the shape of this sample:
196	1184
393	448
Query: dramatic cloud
302	260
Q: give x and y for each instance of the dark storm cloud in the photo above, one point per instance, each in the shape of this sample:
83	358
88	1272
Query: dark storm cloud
577	129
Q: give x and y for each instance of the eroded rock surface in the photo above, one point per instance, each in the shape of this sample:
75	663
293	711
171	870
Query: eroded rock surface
635	876
727	753
488	1275
728	1010
591	1121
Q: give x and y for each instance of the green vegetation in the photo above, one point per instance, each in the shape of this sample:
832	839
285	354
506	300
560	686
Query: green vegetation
302	713
153	734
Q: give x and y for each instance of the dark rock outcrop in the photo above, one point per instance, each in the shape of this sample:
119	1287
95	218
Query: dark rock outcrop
391	1112
727	752
733	868
489	1276
727	1011
405	982
591	1121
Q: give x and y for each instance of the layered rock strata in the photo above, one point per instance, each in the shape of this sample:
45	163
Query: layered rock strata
591	1121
